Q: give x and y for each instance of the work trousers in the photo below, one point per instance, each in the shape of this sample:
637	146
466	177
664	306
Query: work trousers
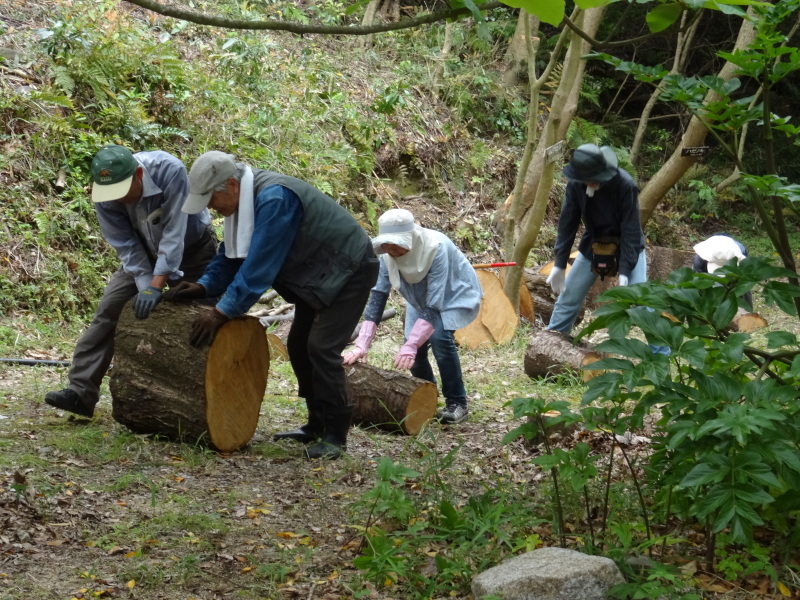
95	348
319	335
579	279
443	345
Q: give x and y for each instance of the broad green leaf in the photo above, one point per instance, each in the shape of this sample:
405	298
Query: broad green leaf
663	16
778	339
549	11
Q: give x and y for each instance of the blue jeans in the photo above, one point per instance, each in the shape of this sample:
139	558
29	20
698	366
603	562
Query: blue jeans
445	352
579	279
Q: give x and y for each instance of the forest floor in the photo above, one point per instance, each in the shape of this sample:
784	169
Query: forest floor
88	509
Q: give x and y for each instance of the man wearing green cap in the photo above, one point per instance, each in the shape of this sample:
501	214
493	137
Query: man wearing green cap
138	199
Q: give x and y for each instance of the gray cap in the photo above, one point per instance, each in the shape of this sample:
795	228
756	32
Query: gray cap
592	164
208	172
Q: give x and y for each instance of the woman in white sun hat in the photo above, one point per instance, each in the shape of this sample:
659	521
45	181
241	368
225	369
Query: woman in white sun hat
442	295
716	252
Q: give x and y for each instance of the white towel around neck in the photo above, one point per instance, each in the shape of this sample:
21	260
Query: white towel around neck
237	229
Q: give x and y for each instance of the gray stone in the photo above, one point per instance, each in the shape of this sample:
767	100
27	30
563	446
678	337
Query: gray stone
549	574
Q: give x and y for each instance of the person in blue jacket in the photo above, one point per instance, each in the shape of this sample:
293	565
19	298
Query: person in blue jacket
138	199
282	233
442	295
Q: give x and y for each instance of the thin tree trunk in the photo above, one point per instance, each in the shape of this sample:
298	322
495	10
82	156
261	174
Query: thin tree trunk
683	43
695	135
447	47
534	196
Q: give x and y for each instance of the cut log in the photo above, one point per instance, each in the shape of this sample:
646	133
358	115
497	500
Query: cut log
162	385
390	400
550	353
497	320
526	309
746	322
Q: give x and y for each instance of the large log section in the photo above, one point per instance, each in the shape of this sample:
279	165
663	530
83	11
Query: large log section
550	353
390	400
162	385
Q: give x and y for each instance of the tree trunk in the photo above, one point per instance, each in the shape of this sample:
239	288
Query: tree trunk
677	165
528	214
162	385
391	400
550	353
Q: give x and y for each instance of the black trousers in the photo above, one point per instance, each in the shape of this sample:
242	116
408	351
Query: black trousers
318	337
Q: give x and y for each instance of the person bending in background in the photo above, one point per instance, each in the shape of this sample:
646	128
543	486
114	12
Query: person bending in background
282	233
442	295
716	252
138	199
605	198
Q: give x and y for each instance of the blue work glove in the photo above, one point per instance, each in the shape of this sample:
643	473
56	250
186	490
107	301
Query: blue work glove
145	301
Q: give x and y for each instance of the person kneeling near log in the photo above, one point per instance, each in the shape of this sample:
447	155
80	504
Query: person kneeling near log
442	295
138	199
282	233
606	199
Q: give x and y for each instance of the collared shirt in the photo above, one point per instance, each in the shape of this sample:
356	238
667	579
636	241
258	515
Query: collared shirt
612	211
450	288
150	235
278	215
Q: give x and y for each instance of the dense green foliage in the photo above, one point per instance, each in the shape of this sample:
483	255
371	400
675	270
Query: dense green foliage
364	129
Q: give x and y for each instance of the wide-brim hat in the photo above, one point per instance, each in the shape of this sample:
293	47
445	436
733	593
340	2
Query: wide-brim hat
592	164
395	226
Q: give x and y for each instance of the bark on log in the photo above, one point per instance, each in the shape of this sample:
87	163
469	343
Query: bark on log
551	353
391	400
162	385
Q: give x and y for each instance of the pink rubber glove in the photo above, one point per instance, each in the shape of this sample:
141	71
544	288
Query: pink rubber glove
364	340
420	333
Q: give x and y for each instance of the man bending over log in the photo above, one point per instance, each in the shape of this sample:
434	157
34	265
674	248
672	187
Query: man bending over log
138	199
606	199
281	232
442	295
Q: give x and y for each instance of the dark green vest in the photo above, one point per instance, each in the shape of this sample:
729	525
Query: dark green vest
329	245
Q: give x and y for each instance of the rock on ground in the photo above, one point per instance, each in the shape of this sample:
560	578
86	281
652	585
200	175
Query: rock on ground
549	574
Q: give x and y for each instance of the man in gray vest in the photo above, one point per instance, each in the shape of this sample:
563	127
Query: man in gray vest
282	233
138	199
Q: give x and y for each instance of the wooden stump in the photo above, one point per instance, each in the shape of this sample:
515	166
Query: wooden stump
497	320
162	385
550	353
391	400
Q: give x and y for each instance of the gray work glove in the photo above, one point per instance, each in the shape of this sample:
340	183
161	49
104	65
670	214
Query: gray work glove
145	301
185	291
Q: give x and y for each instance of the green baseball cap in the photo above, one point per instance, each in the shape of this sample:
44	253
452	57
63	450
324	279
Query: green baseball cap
113	168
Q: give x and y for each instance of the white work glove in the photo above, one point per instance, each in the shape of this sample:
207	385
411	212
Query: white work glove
420	332
623	280
557	279
365	336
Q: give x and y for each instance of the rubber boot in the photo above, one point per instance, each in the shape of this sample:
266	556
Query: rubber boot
305	434
334	440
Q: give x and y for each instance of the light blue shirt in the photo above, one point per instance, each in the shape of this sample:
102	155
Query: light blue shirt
150	235
450	288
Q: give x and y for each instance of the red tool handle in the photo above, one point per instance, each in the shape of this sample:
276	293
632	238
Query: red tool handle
489	265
